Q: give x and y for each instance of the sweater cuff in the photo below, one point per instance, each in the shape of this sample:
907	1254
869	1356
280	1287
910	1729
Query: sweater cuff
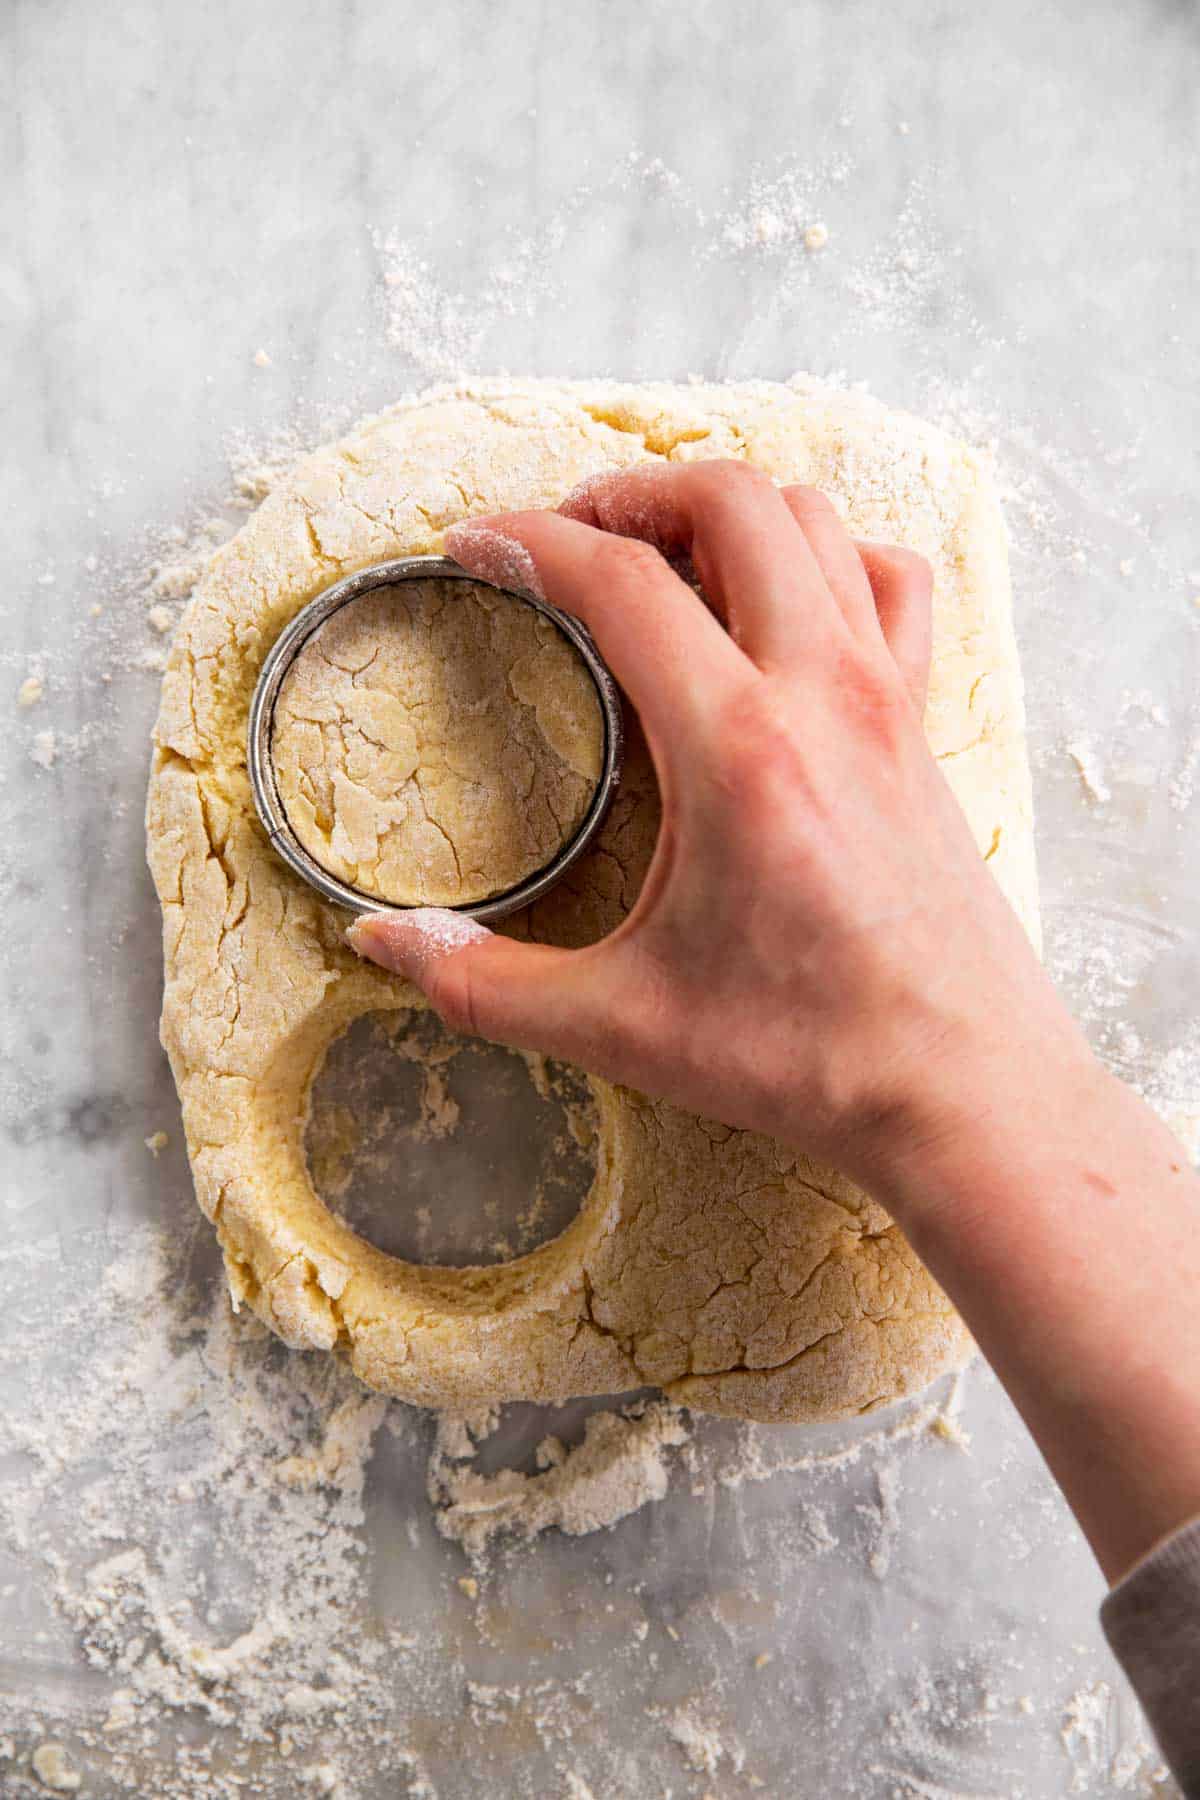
1151	1619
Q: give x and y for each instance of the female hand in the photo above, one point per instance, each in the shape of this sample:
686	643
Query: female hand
818	951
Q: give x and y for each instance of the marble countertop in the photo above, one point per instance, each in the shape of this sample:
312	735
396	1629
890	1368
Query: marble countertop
231	228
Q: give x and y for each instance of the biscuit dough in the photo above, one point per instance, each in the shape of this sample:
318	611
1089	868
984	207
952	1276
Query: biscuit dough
436	743
735	1273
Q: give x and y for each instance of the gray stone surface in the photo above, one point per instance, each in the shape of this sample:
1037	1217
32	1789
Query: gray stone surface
1009	194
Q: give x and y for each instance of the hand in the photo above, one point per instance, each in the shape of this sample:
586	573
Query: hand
820	953
818	947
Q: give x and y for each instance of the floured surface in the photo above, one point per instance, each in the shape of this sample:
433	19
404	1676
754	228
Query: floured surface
732	1272
436	743
201	1512
974	1666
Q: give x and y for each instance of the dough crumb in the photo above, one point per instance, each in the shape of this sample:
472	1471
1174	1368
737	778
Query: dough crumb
468	1585
45	750
700	1742
261	360
159	618
156	1142
52	1766
619	1467
816	236
30	690
1084	755
768	227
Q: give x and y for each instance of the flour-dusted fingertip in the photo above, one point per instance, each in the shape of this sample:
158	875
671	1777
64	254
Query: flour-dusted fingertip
484	548
407	942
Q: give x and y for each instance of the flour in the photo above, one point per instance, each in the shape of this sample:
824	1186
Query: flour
701	1743
179	1426
1085	1732
45	749
430	932
886	1518
620	1465
1084	755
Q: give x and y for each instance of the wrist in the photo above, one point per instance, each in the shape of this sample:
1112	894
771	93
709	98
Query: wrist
985	1119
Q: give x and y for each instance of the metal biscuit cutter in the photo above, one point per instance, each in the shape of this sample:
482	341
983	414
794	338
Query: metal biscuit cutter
287	647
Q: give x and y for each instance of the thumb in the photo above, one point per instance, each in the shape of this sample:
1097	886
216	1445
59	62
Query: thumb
527	995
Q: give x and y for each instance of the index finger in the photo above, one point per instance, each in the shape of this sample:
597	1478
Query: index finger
751	556
665	648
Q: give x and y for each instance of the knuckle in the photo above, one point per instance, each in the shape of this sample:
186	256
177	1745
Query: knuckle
630	559
728	475
913	569
765	746
809	503
875	697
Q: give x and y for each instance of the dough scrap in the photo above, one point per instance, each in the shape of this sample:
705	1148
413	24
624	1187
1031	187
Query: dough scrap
436	743
730	1271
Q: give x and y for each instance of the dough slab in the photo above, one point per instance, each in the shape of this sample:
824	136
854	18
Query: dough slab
436	743
734	1273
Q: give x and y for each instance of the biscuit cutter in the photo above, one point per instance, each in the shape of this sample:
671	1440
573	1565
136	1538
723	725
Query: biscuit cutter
284	651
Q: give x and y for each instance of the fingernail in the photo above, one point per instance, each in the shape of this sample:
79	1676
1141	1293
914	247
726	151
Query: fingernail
494	556
407	942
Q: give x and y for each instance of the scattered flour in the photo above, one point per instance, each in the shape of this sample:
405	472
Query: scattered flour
887	1479
45	749
700	1742
621	1465
154	1429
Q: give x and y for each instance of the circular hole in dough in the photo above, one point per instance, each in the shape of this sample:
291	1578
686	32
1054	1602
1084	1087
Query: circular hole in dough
442	1149
436	743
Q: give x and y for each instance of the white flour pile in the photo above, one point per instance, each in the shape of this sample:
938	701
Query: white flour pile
192	1501
620	1466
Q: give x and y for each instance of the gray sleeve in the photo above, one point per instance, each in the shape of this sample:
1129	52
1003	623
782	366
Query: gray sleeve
1152	1622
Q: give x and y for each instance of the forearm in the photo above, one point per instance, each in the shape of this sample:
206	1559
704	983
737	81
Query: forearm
1063	1220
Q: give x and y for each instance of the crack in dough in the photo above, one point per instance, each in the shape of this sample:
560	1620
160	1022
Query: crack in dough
724	1268
436	743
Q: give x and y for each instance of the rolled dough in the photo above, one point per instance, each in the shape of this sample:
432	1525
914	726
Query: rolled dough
733	1272
435	743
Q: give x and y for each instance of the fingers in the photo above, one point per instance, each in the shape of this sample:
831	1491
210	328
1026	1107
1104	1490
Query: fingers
527	995
836	556
879	587
778	565
902	585
658	638
759	571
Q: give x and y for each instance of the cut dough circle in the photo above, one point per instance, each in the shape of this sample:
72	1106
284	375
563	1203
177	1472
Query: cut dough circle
725	1268
436	742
